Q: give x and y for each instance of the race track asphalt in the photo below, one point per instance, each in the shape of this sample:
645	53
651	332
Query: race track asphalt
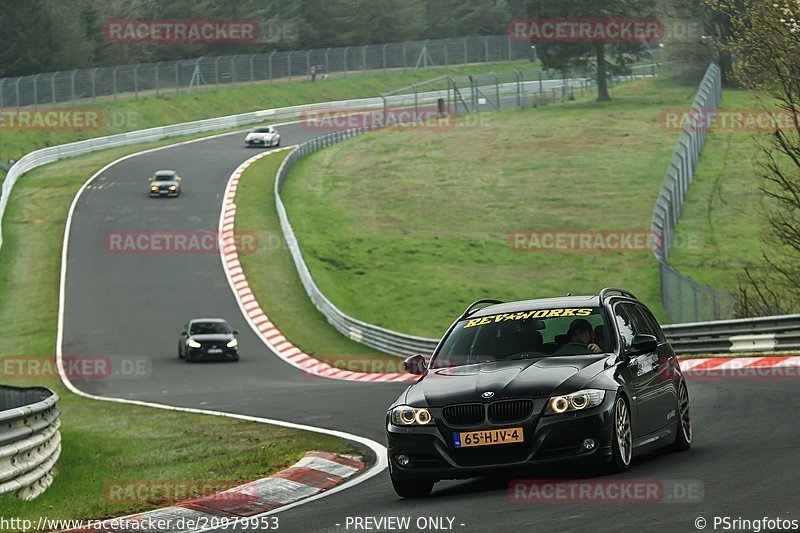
128	306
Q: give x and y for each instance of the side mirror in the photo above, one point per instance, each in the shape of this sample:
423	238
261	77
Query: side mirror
183	332
177	178
236	332
415	365
643	344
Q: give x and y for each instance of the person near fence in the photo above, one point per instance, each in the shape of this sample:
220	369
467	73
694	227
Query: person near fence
313	72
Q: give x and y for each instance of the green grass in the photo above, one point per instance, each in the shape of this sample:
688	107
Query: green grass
271	274
104	442
170	108
721	229
405	228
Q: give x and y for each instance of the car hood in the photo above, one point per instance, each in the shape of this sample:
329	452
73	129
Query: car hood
212	338
529	378
161	183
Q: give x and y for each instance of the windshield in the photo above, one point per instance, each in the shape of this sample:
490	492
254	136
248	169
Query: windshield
209	328
262	130
164	177
521	335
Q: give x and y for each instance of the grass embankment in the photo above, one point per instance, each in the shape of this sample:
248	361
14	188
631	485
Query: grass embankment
272	276
171	108
106	443
405	228
722	225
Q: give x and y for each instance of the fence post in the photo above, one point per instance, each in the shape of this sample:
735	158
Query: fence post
486	49
2	82
510	53
72	85
114	82
308	61
466	50
404	57
327	61
136	81
52	88
289	65
35	91
346	49
216	71
177	80
383	53
252	69
158	85
364	60
270	66
446	59
16	91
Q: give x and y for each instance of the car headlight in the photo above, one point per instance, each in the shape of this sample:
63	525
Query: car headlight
173	187
404	415
154	188
577	401
233	344
191	343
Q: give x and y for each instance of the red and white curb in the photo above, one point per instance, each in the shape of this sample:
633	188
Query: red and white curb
738	363
316	472
251	309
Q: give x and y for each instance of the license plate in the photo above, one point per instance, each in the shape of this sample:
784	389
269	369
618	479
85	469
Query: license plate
487	437
215	350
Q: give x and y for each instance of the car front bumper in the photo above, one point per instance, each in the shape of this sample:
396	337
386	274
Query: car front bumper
547	439
164	193
203	354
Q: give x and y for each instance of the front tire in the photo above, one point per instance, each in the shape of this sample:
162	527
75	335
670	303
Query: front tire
621	439
412	488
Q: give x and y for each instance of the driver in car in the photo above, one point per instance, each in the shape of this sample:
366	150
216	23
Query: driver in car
581	339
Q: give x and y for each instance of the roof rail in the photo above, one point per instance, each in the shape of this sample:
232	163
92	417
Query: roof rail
470	310
607	290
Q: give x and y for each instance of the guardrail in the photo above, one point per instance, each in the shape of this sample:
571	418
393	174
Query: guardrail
376	337
762	334
30	443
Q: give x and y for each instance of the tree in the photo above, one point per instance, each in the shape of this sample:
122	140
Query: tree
583	55
766	38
